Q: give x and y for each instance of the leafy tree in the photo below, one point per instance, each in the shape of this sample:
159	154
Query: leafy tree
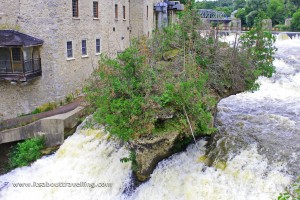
276	11
206	5
238	4
241	14
253	8
224	3
226	10
173	81
259	44
295	25
296	3
188	3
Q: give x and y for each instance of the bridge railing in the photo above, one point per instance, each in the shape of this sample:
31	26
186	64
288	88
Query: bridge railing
208	13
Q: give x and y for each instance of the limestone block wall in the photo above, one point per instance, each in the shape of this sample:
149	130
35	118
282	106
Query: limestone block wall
52	22
9	13
141	24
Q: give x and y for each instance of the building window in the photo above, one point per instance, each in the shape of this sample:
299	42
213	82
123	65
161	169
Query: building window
69	49
116	11
147	12
16	54
124	12
83	48
95	9
97	46
75	8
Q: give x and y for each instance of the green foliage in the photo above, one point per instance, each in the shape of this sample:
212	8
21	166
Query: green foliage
293	193
131	158
69	98
259	45
226	10
276	11
282	27
206	4
238	4
26	152
295	25
45	107
142	92
136	91
241	14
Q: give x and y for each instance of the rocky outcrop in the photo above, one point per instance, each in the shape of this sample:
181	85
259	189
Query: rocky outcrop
150	150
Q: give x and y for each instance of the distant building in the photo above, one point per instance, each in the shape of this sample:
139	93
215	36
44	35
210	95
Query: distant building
49	48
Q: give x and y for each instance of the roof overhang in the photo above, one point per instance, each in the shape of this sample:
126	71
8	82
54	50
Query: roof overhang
12	38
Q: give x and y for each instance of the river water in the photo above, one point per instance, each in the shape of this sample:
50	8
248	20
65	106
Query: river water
259	135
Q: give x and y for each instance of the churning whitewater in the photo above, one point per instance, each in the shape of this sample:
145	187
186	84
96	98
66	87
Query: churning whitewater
260	130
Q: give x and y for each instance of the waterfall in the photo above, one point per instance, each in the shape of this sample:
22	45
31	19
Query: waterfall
259	131
86	158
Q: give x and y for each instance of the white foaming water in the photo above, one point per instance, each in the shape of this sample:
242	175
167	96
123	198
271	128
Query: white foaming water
88	157
271	115
246	177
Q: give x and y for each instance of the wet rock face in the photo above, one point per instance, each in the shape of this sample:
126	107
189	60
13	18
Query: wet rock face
150	150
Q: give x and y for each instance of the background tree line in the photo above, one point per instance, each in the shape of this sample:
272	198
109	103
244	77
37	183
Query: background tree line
247	10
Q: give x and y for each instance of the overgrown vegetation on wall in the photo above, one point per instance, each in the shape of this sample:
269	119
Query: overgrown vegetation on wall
174	80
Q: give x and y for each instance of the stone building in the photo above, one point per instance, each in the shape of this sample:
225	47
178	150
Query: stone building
49	48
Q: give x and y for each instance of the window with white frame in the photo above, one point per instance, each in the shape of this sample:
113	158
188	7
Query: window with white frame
98	46
69	49
83	48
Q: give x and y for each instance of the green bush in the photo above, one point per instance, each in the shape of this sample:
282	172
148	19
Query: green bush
282	27
259	45
26	152
177	77
295	24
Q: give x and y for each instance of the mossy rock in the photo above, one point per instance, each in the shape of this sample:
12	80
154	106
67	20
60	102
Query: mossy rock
170	54
49	150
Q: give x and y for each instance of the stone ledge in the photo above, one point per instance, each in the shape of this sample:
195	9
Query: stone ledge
52	128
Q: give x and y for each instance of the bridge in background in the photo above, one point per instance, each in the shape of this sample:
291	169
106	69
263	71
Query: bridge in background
208	16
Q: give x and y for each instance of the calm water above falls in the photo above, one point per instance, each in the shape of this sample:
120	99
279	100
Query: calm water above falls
266	123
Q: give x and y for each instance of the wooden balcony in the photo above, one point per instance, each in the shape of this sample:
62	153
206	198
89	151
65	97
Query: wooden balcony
20	58
20	71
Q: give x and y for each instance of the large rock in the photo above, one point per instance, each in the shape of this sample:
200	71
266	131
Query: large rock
150	150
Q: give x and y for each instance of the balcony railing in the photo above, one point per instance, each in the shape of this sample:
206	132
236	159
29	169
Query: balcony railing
20	70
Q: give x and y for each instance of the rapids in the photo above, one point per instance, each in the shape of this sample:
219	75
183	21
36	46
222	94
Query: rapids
260	132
